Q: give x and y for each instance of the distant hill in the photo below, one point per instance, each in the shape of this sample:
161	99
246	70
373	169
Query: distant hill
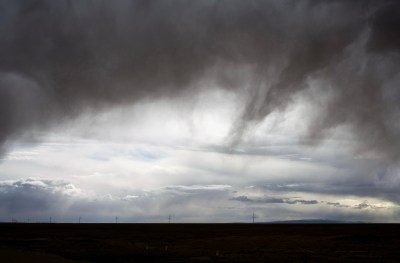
312	221
306	221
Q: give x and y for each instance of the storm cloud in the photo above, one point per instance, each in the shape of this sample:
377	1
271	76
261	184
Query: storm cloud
62	58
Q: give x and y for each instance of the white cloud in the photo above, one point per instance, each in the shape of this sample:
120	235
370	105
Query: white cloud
174	157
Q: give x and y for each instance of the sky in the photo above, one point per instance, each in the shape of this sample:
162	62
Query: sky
205	111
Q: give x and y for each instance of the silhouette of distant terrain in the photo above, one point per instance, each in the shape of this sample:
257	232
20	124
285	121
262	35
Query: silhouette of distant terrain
314	221
200	242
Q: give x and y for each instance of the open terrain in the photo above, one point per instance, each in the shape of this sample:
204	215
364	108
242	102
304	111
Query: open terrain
199	242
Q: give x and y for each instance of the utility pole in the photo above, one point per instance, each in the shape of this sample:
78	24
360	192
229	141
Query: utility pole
50	220
169	219
79	220
116	219
254	217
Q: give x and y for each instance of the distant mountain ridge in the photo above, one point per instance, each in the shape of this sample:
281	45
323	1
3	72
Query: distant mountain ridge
312	221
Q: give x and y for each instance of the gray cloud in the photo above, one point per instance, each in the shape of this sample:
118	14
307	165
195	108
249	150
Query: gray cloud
367	205
33	197
242	198
61	58
275	200
336	204
38	199
354	185
361	206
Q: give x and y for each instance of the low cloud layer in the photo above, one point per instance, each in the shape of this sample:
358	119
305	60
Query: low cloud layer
275	200
36	200
146	183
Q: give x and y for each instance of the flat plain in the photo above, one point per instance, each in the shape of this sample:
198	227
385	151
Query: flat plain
199	242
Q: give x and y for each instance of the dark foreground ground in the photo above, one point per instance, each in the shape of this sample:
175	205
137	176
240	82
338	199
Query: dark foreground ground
199	243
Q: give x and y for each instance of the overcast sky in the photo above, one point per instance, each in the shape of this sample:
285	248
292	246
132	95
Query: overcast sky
208	111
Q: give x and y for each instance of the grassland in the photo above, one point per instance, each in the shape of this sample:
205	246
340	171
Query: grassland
199	243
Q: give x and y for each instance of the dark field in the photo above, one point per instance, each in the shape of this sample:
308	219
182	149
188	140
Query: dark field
199	243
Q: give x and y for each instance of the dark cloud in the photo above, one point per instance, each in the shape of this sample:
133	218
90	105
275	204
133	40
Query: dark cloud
275	200
242	198
304	202
385	28
366	205
61	58
336	204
